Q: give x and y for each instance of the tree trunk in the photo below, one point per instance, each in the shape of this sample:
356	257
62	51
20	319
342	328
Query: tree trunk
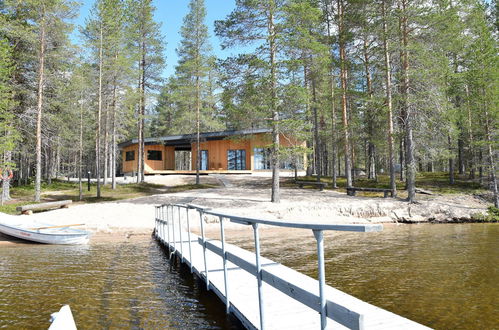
318	169
106	144
139	135
80	153
48	161
341	32
58	160
410	159
471	151
451	161
5	176
275	195
388	83
371	147
480	166
99	114
334	141
460	150
142	113
41	69
198	128
113	135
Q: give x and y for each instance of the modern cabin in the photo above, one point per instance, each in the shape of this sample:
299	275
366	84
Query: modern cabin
237	151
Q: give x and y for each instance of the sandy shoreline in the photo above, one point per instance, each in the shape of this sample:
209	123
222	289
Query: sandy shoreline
248	196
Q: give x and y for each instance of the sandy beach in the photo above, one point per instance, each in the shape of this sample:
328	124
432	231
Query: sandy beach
249	195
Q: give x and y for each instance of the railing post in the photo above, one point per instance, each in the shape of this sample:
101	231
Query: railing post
173	230
319	236
168	226
158	223
180	234
204	249
161	223
156	220
259	274
164	223
224	257
189	235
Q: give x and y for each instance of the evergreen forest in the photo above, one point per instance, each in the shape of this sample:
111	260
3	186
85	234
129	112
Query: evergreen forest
378	87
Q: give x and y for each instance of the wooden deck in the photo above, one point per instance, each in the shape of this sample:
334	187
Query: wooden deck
291	301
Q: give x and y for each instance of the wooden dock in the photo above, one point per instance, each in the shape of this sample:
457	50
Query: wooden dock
260	292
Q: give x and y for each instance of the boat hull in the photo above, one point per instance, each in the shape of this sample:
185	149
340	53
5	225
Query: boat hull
77	237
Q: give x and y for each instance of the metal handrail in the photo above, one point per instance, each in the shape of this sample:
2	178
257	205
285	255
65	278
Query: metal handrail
317	229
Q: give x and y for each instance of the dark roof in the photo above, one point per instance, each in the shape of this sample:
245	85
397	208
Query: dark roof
188	138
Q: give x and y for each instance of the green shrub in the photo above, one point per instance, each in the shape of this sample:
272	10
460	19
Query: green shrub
491	216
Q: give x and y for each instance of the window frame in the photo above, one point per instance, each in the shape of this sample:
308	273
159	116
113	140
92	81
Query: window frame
157	152
238	160
127	158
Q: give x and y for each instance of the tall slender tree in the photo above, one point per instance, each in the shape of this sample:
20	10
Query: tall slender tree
388	87
194	66
342	39
148	43
256	21
8	133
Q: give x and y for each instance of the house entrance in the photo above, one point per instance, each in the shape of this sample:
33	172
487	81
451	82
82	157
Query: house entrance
183	160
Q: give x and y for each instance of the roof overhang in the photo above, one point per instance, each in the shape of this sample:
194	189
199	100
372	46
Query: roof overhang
175	140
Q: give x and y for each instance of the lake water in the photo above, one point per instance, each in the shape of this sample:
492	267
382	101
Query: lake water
127	285
443	276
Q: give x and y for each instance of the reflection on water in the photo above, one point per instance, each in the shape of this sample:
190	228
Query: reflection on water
444	276
108	285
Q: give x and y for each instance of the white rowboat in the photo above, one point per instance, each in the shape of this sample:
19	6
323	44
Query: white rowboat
42	233
62	320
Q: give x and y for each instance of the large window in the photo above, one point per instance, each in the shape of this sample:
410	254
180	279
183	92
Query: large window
204	160
129	156
154	155
236	159
262	158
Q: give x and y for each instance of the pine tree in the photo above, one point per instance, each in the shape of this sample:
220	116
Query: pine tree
148	43
307	56
342	40
8	133
193	70
388	86
482	78
50	23
257	21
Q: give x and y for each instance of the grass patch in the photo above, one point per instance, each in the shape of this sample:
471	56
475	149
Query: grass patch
29	189
10	207
437	182
62	190
186	187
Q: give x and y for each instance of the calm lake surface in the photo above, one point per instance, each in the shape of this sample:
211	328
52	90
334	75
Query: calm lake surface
128	285
443	276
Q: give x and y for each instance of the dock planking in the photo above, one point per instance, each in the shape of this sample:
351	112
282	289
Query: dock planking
290	298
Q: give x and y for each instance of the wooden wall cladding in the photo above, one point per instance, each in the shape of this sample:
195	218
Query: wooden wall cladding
217	152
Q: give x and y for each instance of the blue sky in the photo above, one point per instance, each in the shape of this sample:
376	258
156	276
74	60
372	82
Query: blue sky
170	14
